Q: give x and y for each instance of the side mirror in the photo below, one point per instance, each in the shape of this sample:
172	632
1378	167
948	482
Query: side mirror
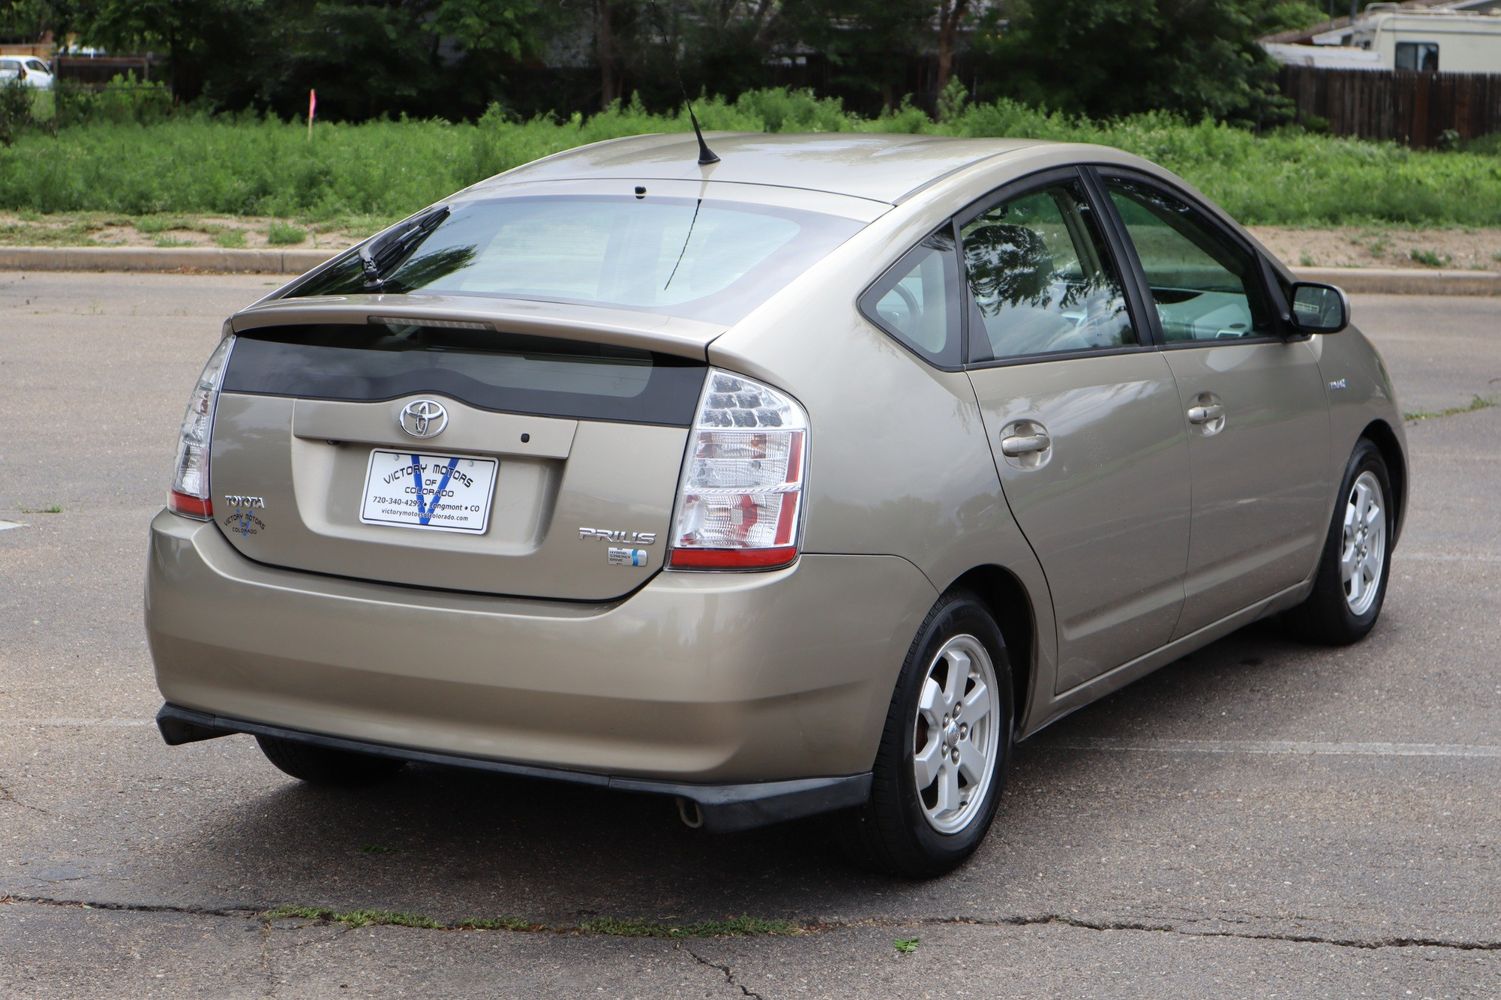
1319	308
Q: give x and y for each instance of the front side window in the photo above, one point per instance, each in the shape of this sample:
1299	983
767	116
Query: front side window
1205	286
1041	280
1419	56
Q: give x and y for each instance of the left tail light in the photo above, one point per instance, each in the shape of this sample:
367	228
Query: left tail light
740	500
190	486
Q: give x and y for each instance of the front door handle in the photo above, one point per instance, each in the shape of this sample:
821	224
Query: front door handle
1017	445
1206	413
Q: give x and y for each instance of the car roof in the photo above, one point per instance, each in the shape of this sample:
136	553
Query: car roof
885	168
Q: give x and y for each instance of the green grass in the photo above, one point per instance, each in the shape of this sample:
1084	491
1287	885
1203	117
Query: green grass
230	239
24	234
906	946
731	927
282	234
49	509
150	225
385	169
354	918
1430	258
742	926
1474	405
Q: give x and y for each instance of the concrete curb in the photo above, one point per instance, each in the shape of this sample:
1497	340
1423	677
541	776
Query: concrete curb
1404	280
210	259
1358	280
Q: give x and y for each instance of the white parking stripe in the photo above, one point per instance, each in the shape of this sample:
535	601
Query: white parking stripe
1289	747
82	723
7	525
1487	557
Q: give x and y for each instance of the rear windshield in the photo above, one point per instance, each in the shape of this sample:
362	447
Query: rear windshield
509	373
699	259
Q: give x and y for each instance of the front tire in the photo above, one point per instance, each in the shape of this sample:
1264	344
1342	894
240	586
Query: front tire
944	750
1350	583
324	766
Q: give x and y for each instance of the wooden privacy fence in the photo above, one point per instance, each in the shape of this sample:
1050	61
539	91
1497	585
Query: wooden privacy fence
1407	106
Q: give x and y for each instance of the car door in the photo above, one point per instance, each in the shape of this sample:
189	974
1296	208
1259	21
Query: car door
1083	419
1251	394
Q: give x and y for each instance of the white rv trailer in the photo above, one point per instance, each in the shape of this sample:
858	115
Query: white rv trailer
1434	41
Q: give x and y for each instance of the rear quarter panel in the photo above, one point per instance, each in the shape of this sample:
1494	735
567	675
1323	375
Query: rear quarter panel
899	463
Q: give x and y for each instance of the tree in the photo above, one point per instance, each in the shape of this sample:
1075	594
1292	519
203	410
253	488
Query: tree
365	57
951	14
27	21
867	43
1115	57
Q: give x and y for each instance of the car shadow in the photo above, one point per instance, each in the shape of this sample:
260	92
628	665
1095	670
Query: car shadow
453	844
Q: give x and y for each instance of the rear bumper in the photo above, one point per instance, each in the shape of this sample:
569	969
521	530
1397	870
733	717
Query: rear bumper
723	808
715	681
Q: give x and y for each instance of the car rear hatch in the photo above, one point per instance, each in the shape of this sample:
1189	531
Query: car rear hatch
477	445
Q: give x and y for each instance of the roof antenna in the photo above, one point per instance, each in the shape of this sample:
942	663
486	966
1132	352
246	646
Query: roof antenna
706	156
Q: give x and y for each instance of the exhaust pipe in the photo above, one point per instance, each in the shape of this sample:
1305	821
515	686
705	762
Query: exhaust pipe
690	813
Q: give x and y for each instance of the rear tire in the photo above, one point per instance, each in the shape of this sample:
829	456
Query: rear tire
1350	584
324	766
944	750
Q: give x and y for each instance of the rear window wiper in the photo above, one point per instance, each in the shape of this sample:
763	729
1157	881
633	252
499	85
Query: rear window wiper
381	255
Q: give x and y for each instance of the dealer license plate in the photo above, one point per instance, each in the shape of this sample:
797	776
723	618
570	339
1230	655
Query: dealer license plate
441	492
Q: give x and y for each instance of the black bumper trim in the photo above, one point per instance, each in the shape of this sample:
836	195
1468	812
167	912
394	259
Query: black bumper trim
725	808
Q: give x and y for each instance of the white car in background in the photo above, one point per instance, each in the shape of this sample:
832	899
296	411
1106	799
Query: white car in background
29	70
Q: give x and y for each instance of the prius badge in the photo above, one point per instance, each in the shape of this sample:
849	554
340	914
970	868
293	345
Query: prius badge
618	555
423	418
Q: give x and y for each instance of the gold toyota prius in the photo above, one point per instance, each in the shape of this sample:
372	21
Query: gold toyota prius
806	475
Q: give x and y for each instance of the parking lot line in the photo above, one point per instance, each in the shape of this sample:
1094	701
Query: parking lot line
1289	747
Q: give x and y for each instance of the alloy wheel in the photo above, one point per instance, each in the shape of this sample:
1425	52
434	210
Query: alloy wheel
956	734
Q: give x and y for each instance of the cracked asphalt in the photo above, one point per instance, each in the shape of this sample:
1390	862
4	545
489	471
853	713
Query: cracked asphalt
1259	819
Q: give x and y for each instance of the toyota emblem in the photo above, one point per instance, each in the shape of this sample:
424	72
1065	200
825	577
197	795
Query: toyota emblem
423	418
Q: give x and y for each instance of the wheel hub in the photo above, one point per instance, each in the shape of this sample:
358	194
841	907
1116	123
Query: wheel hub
1363	544
955	735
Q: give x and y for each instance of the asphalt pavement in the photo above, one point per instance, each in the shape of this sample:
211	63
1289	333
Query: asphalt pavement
1259	819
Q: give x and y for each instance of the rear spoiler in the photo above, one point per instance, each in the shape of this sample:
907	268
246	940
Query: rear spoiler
618	327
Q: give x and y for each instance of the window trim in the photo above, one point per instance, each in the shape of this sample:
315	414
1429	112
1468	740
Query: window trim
1020	187
1275	299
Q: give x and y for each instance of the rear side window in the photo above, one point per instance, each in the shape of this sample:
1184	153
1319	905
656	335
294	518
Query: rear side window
489	370
700	259
917	301
1041	279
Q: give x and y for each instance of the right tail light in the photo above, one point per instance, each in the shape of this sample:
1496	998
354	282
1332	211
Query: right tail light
740	500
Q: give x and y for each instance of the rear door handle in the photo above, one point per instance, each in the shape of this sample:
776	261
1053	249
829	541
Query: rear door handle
1208	413
1017	445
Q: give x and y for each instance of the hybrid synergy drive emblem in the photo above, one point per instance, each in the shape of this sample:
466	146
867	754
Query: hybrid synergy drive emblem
423	418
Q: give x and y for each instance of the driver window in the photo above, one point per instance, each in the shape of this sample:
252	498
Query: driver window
1040	279
1204	286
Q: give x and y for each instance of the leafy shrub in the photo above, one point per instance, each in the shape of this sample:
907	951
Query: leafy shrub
250	165
15	111
124	100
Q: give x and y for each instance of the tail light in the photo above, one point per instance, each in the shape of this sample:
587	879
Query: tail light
740	499
190	488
